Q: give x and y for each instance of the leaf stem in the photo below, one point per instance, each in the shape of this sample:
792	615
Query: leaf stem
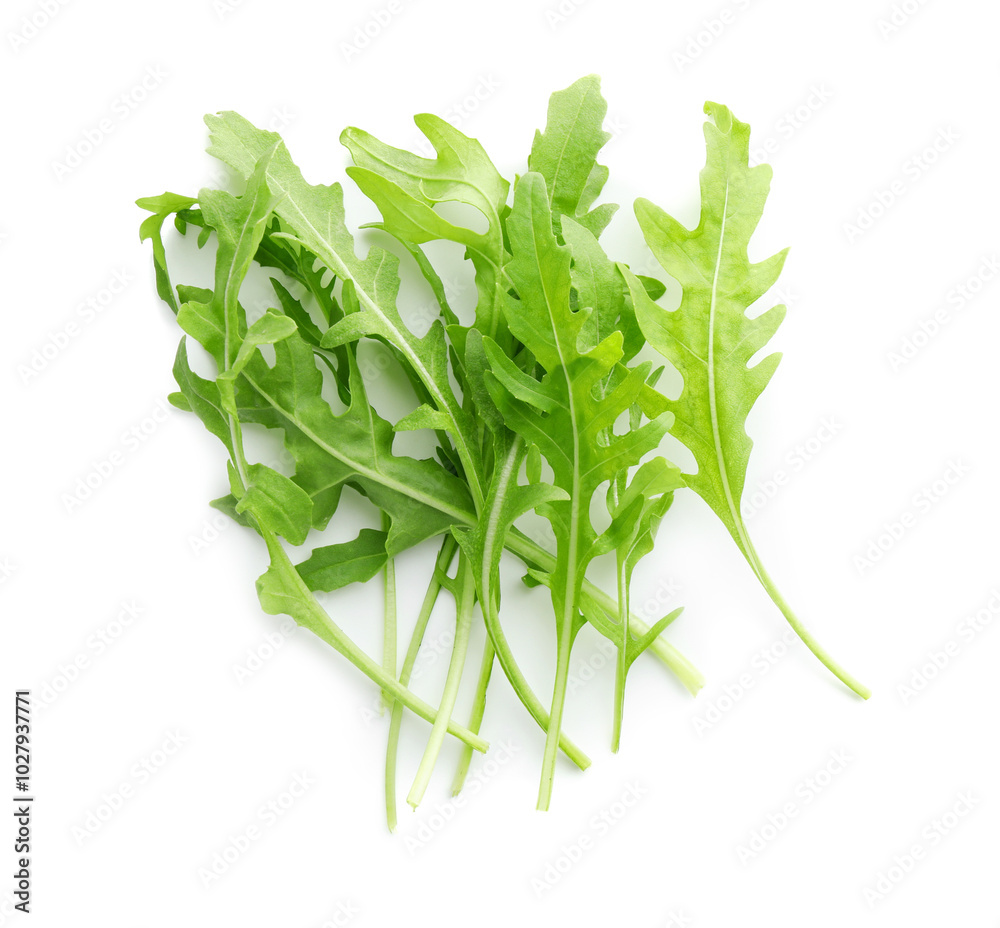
444	559
476	718
389	621
810	642
314	617
466	600
534	555
621	664
565	647
521	686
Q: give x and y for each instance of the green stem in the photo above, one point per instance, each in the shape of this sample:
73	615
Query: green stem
314	617
490	599
534	555
524	691
621	665
466	600
565	647
444	559
476	719
517	542
810	642
389	621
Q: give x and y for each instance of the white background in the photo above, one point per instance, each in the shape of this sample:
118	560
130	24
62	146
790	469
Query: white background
709	772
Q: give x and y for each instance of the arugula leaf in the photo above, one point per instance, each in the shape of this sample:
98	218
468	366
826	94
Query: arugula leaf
565	154
535	407
314	217
563	417
278	505
274	501
636	511
272	327
406	188
162	207
636	508
334	566
710	339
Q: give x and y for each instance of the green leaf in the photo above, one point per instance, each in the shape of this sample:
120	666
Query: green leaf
710	339
314	217
166	204
355	448
600	287
423	417
567	414
637	646
406	188
227	505
277	503
270	328
202	397
334	566
654	288
293	308
565	154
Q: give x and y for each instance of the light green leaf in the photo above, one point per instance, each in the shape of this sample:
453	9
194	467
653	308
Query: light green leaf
710	339
276	503
166	204
574	413
202	397
406	188
334	566
354	447
423	417
283	592
314	217
565	154
270	328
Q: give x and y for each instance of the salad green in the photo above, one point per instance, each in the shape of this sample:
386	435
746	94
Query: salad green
538	404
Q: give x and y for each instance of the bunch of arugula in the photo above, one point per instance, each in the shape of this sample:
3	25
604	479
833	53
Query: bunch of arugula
536	407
